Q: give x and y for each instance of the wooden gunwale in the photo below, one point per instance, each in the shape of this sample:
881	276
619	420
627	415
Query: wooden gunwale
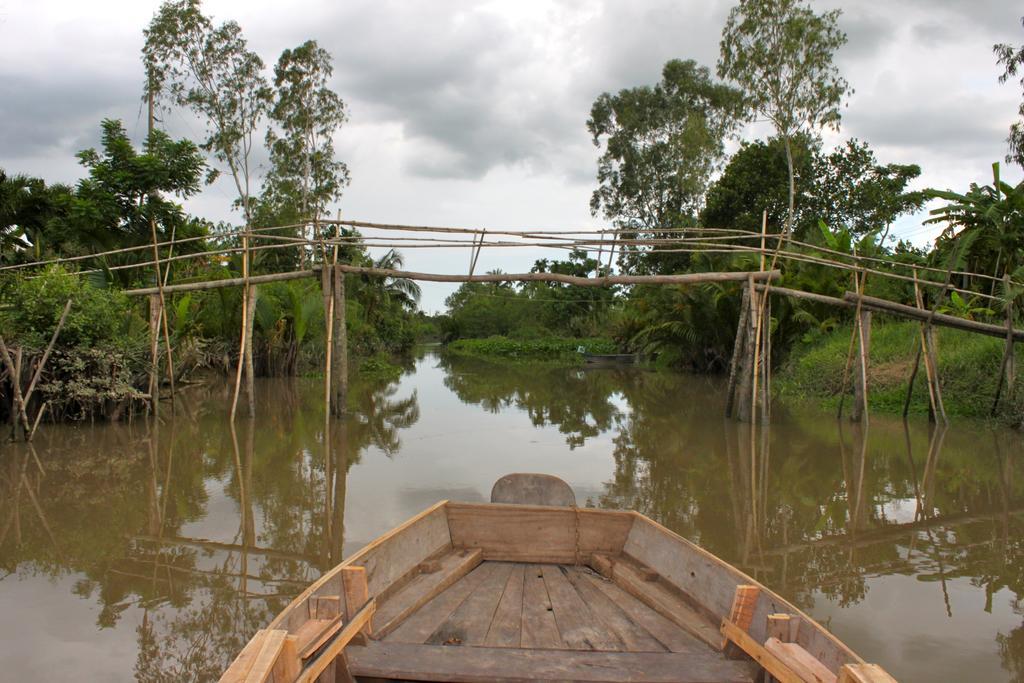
765	593
362	553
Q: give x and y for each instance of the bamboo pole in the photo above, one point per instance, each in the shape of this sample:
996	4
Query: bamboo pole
745	397
932	318
46	354
154	353
245	316
325	285
340	373
737	348
250	375
679	279
1007	370
938	411
853	336
17	402
859	411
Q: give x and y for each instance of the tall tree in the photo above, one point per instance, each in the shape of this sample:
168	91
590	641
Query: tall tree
779	52
209	70
1012	60
114	205
852	190
661	145
304	172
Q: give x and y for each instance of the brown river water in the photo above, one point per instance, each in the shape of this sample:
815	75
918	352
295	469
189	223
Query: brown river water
154	552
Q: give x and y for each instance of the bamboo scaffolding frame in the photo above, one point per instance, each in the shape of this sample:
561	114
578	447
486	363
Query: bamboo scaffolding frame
539	234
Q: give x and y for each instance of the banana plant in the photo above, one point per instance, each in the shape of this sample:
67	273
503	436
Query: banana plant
989	219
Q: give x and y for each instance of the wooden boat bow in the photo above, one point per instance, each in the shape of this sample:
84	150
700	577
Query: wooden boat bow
510	591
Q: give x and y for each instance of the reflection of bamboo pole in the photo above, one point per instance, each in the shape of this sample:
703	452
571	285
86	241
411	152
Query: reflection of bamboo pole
340	490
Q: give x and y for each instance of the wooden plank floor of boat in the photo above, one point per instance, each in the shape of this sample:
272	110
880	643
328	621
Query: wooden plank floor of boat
510	622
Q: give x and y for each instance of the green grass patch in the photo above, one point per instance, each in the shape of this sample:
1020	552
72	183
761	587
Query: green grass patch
969	366
558	349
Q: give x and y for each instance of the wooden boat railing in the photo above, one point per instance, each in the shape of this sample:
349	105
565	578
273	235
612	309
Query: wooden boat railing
278	656
780	655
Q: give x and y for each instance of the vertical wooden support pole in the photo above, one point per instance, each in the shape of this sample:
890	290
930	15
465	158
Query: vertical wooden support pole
745	405
737	349
154	352
766	359
245	318
250	318
339	373
937	410
326	285
859	411
1007	373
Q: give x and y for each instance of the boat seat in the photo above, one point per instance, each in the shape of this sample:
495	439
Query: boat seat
407	661
527	488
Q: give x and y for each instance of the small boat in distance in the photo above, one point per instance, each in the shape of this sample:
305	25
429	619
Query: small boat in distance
602	359
530	587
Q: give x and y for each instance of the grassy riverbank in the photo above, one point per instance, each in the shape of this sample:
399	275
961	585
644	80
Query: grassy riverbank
560	349
968	364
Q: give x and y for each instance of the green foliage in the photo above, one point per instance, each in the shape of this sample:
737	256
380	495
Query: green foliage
661	145
98	317
550	348
968	369
779	53
100	352
210	70
853	190
29	211
304	173
1012	61
116	202
755	180
984	226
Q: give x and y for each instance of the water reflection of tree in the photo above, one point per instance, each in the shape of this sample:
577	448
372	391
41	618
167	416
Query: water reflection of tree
120	503
578	402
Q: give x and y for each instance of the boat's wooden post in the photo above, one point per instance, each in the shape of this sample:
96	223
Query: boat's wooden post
744	602
339	373
859	411
357	592
864	673
737	348
778	627
250	317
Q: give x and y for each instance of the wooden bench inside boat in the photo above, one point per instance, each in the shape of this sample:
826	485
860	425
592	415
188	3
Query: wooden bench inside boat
508	593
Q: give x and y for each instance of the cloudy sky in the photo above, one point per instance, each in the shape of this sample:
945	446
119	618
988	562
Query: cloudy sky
473	113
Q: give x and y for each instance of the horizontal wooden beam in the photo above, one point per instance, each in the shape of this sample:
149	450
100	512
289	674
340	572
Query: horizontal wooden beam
809	296
940	319
679	279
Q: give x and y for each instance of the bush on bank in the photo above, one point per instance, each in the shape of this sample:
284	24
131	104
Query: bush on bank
969	367
549	348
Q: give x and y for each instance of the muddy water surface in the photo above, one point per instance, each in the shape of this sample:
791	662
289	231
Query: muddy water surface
153	551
